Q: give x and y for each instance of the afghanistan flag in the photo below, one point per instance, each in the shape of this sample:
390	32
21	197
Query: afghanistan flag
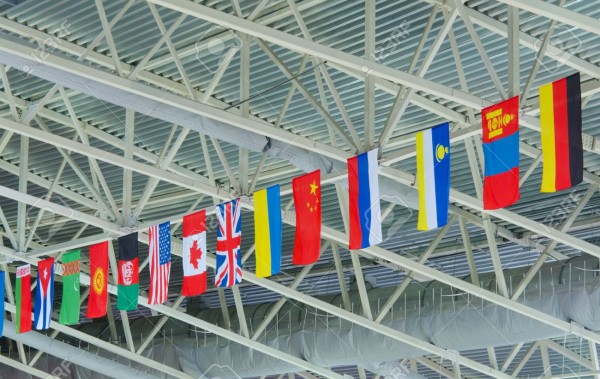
23	298
307	201
44	294
69	307
560	122
98	299
129	282
500	125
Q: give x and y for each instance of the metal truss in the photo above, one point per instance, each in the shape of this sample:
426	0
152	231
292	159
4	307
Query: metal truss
116	217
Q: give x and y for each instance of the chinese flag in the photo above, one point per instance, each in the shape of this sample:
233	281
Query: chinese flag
307	201
98	298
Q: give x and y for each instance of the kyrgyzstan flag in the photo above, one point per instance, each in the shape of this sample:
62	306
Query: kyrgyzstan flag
98	298
23	297
194	254
129	280
307	201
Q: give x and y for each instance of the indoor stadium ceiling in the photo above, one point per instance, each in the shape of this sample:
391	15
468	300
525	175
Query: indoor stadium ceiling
120	114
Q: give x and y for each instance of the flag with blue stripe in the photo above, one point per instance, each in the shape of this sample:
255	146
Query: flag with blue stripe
44	294
363	189
267	231
433	176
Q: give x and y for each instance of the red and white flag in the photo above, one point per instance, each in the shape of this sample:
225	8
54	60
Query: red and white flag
160	262
194	254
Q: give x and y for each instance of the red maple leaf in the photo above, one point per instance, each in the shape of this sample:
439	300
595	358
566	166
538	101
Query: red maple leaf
195	254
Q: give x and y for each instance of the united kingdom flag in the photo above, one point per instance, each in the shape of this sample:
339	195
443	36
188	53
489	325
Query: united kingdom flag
229	238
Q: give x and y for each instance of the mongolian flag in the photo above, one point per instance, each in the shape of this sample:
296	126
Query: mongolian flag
229	238
267	231
560	122
365	211
44	294
2	302
98	298
69	306
159	248
23	298
500	124
307	201
129	282
433	176
194	254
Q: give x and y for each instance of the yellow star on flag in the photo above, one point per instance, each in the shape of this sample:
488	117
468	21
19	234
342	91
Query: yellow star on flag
313	188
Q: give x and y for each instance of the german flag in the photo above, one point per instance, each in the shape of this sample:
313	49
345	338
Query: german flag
560	121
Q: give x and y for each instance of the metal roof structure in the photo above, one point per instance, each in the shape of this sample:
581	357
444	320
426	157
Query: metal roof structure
119	114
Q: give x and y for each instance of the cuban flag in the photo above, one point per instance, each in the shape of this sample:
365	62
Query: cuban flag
44	294
229	238
433	176
365	212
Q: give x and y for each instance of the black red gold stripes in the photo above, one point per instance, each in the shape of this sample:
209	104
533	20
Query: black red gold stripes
560	122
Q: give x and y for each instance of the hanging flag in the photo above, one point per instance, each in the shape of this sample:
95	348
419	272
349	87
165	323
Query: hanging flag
44	294
160	262
267	231
194	254
98	298
363	189
129	282
500	124
560	122
433	176
1	302
229	238
307	201
69	306
23	298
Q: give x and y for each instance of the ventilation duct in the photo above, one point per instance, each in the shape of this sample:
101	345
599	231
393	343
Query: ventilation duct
301	158
74	359
430	311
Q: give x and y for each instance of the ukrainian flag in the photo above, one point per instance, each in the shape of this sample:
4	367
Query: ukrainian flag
433	176
267	231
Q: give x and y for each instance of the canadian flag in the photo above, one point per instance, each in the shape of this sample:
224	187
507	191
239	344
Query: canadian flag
194	254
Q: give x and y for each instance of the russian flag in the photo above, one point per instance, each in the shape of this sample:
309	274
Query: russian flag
365	213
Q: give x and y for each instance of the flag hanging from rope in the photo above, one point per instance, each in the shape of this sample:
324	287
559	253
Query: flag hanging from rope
433	176
229	238
500	124
160	262
267	231
98	298
44	294
194	254
23	298
560	124
307	202
365	211
69	306
128	289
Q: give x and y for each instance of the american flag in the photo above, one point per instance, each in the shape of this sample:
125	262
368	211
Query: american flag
229	237
160	262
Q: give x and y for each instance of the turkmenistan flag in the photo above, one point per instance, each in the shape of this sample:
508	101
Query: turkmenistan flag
23	298
69	307
127	295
